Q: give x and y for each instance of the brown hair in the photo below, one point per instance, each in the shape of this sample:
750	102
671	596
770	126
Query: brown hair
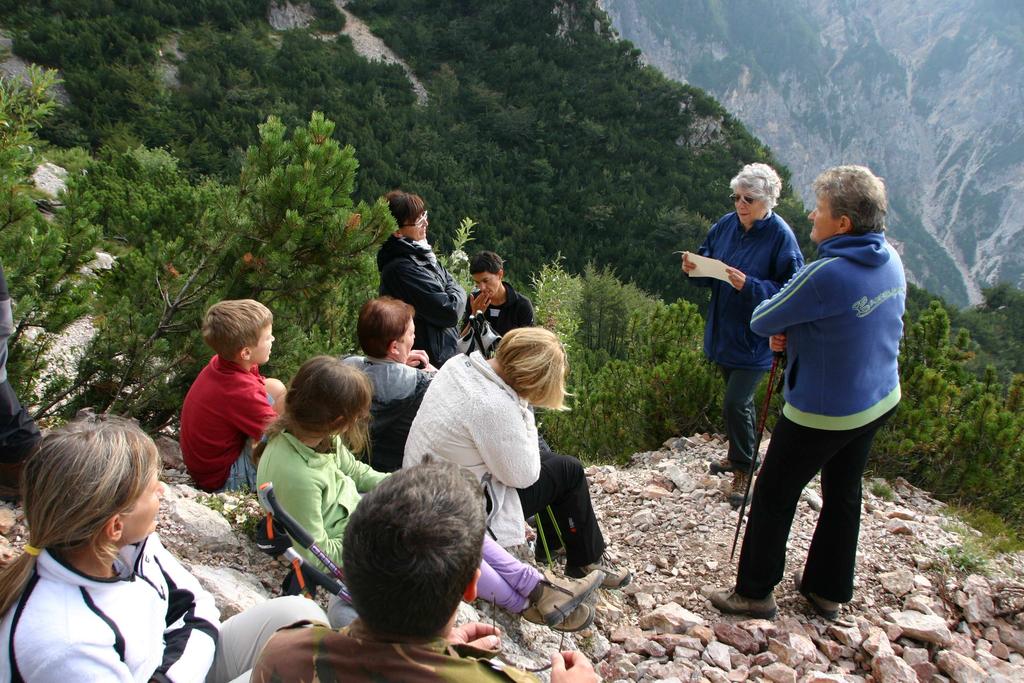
533	363
79	477
405	206
234	324
382	321
325	398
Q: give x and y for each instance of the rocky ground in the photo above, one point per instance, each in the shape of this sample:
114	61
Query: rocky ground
916	614
14	67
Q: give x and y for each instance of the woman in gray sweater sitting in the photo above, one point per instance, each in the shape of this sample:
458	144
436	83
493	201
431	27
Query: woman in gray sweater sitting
399	373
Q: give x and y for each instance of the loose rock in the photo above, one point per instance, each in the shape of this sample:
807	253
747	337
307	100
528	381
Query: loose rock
670	618
740	639
233	591
927	628
959	668
892	669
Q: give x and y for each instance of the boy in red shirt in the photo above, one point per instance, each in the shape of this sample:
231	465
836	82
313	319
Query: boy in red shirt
230	403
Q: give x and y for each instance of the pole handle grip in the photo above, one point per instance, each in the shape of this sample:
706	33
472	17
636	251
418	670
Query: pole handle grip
268	499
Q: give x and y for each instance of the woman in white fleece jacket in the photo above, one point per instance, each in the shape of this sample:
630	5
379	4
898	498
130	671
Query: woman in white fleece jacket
476	413
95	596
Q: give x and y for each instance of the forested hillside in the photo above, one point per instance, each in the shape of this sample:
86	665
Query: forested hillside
549	134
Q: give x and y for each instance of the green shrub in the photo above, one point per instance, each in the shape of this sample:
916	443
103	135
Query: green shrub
288	234
556	301
996	535
328	16
42	258
968	558
953	434
638	374
881	489
241	509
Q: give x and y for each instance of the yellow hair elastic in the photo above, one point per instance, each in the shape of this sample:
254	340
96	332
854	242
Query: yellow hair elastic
32	550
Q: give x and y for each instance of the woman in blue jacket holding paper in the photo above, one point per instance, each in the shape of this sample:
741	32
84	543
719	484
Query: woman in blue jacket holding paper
839	320
760	253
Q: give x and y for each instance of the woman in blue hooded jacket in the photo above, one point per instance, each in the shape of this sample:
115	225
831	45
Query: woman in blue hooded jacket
761	253
840	320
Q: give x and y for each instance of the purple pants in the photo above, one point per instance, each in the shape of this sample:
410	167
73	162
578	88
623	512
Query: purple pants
504	580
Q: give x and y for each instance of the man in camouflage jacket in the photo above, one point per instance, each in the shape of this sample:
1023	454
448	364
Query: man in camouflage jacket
411	553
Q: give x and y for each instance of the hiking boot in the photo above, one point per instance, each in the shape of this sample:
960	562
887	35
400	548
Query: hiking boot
555	599
580	618
614	577
722	466
731	602
738	490
827	609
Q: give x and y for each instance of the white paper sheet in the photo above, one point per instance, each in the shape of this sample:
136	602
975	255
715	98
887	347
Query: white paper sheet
706	267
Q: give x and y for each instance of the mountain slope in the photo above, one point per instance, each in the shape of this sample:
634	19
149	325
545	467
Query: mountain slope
538	123
927	93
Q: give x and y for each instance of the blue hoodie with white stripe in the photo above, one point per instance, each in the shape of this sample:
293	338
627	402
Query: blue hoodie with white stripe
842	315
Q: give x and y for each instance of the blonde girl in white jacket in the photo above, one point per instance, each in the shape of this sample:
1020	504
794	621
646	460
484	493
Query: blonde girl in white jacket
477	413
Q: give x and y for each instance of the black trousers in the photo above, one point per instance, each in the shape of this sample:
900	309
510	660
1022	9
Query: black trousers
738	411
563	486
18	433
795	454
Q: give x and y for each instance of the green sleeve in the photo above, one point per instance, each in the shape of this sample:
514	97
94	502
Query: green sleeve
365	477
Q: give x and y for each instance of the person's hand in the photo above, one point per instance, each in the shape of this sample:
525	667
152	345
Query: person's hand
418	358
737	278
479	302
475	634
777	342
688	265
572	667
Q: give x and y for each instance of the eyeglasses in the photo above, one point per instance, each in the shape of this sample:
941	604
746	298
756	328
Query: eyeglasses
745	198
420	222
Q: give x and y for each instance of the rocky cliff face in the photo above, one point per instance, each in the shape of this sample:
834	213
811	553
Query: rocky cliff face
929	93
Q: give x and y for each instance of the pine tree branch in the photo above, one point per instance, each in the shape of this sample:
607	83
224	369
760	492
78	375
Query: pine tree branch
163	326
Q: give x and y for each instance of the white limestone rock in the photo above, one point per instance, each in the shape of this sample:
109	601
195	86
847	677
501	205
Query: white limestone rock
210	530
232	590
670	618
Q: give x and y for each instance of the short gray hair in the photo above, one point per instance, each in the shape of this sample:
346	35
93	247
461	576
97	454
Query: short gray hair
855	192
761	180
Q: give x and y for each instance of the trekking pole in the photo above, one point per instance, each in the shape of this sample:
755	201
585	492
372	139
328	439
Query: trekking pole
304	571
268	499
757	447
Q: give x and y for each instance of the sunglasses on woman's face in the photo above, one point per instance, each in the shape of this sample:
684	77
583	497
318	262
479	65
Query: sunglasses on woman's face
745	198
422	220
